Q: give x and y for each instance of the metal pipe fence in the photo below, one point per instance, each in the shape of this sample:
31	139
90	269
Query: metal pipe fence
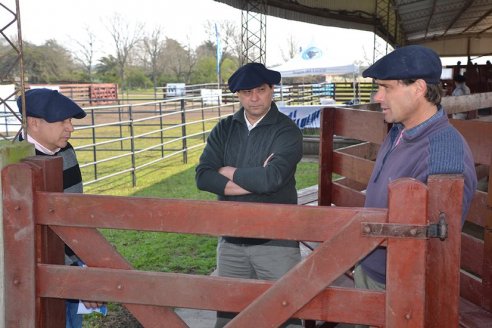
121	139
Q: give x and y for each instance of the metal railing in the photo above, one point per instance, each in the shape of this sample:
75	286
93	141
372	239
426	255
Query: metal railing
119	139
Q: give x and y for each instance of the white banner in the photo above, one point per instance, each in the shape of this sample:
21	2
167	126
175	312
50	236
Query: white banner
303	116
8	122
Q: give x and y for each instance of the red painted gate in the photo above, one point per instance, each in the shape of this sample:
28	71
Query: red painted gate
37	216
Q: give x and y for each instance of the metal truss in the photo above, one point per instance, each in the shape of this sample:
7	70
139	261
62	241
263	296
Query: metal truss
253	31
13	71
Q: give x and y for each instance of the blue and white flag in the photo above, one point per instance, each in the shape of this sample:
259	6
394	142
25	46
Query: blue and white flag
219	49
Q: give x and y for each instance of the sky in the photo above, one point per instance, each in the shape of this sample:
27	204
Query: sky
184	20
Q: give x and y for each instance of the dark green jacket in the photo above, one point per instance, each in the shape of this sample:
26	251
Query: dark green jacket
231	144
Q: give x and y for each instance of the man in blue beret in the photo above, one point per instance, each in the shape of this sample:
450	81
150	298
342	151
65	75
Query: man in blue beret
49	127
251	156
421	141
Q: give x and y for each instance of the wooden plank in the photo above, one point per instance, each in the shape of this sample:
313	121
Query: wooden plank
360	125
307	195
487	263
471	288
466	103
186	291
473	316
472	254
19	246
351	184
405	287
479	209
364	150
240	219
443	260
346	196
478	136
308	278
352	167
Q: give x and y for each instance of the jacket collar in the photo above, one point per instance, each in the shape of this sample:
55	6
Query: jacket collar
270	118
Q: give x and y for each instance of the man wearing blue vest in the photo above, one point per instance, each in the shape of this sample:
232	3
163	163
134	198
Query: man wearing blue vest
421	141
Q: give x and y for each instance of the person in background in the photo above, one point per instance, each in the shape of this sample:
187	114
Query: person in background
252	156
49	127
421	141
460	89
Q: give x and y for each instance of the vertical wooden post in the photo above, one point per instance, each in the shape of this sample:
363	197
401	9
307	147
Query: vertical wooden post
443	257
487	250
49	247
9	153
405	276
326	156
19	245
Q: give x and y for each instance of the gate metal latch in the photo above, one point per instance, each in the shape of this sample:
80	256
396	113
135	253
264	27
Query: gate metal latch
394	230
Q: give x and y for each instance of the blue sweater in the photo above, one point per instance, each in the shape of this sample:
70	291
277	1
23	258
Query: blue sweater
433	147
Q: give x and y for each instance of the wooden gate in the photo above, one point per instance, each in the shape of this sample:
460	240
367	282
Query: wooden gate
36	282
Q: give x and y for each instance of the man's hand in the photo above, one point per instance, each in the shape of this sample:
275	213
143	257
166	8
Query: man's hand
92	304
268	159
227	171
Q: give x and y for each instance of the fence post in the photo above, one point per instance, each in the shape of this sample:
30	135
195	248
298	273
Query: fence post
183	131
443	259
23	249
203	121
132	146
406	257
161	122
120	125
94	150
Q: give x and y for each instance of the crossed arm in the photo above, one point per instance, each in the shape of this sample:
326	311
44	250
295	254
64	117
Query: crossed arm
231	188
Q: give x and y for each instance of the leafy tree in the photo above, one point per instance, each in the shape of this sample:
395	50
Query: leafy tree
205	70
107	70
48	63
137	78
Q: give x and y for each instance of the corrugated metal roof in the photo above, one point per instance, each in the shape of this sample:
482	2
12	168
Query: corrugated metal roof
451	27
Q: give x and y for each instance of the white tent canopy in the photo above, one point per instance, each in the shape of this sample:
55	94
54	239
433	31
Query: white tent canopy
313	61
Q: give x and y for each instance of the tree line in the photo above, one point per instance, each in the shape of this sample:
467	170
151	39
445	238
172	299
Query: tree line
139	59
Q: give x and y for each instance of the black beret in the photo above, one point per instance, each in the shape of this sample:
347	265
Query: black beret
410	62
251	76
50	105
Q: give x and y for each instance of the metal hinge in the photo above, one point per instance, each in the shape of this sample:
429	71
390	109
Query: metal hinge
393	230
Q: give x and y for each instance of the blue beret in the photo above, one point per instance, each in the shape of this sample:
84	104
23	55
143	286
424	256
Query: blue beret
410	62
251	76
50	105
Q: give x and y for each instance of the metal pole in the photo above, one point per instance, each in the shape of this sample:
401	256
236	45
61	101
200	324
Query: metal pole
183	132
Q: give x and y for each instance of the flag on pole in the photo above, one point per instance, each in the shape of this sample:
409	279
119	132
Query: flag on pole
219	49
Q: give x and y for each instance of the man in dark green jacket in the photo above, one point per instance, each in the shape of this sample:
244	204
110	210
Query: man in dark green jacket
252	156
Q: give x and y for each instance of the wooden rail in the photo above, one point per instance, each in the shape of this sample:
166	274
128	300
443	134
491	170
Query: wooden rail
36	214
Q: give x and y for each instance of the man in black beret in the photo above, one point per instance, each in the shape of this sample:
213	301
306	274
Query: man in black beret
49	127
421	141
251	156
